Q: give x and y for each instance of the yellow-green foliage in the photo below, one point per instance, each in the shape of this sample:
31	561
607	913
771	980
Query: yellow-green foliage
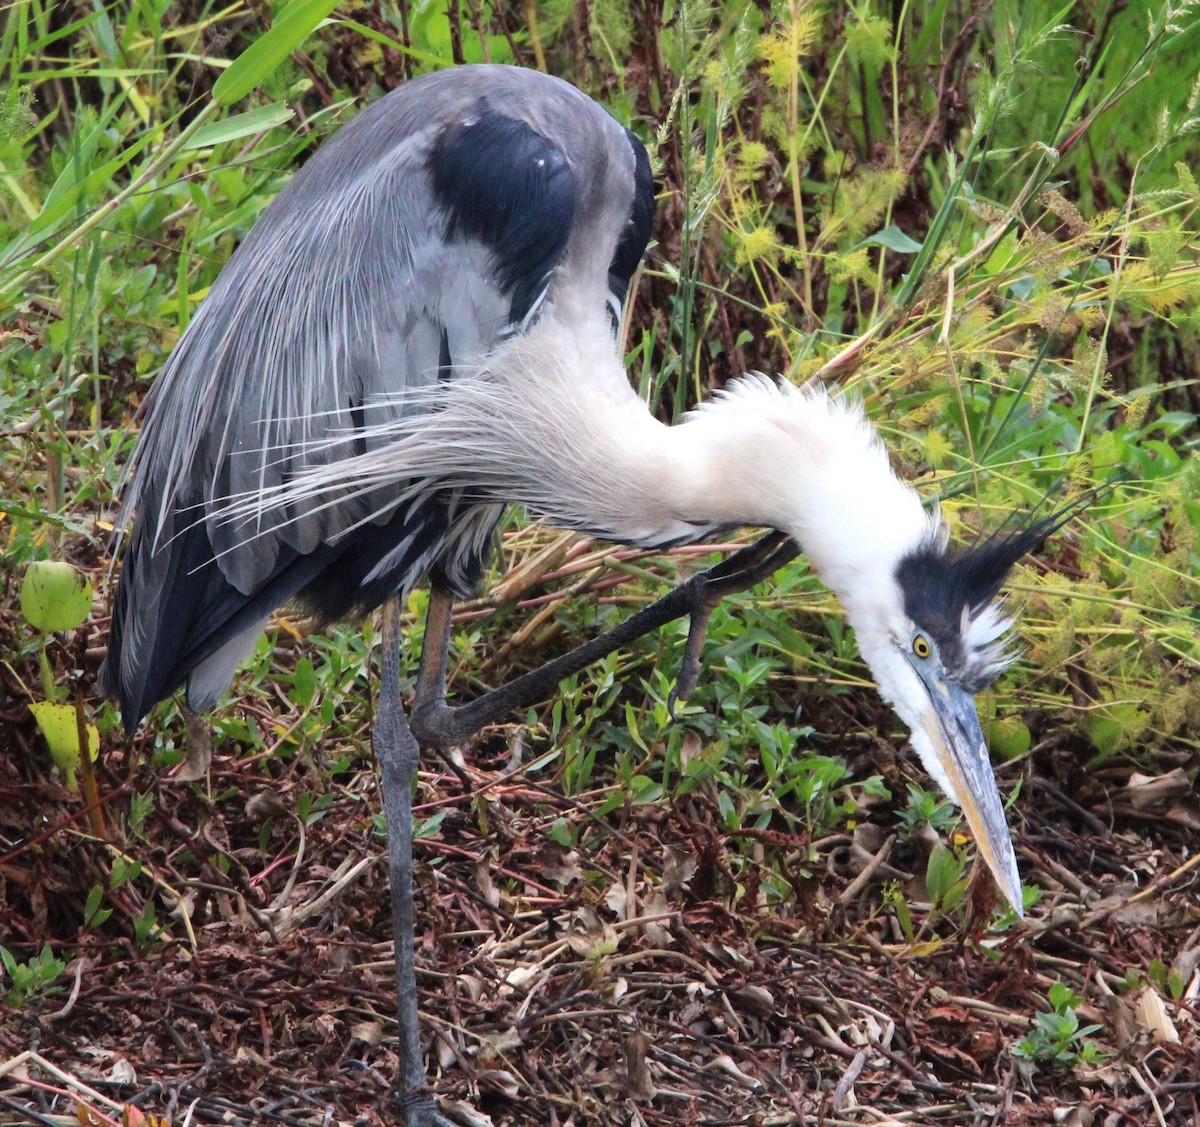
789	43
1163	246
752	157
939	450
859	203
1089	363
853	266
1189	480
757	243
869	37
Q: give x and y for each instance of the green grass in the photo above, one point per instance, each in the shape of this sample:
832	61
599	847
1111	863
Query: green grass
1006	271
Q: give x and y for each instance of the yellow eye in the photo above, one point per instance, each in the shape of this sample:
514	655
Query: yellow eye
921	646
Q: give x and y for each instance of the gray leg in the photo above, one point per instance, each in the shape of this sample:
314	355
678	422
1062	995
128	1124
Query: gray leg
398	754
741	570
438	724
431	681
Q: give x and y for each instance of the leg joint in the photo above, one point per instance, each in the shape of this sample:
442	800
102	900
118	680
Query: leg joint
432	724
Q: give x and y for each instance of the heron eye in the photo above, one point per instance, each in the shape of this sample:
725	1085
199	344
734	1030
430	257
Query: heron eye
921	646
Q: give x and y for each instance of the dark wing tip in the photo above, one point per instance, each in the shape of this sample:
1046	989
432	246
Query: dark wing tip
636	236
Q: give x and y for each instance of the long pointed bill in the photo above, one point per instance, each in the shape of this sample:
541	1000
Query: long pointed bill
952	725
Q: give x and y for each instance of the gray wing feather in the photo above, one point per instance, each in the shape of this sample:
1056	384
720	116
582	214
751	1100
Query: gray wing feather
335	303
353	289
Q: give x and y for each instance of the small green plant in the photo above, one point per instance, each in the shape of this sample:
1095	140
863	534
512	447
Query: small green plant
146	928
141	806
56	598
946	879
310	808
1057	1039
893	895
925	809
30	979
819	782
1166	980
94	912
1006	916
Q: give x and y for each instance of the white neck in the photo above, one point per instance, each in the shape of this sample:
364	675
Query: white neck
768	453
759	453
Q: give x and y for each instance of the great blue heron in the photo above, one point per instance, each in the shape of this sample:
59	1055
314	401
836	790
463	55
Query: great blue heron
419	331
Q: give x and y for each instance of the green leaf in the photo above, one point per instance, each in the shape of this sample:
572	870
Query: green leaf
54	596
873	786
241	125
1061	997
728	811
255	64
944	871
644	790
893	239
1004	254
427	827
633	726
60	727
304	683
904	915
93	914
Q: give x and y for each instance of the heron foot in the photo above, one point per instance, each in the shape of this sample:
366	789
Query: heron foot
690	666
420	1110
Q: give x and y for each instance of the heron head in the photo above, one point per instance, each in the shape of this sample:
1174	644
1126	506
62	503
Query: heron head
936	635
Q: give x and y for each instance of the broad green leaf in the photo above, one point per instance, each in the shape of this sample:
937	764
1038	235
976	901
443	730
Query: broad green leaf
60	727
54	596
944	871
1009	737
304	685
241	125
255	64
1061	997
426	827
904	916
644	790
892	238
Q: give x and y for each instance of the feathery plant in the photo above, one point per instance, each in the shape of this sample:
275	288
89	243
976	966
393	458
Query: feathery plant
984	346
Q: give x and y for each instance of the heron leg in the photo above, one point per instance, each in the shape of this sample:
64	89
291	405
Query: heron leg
738	572
431	681
438	724
398	753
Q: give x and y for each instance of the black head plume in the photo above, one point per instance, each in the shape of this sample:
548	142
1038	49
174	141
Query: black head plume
949	593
